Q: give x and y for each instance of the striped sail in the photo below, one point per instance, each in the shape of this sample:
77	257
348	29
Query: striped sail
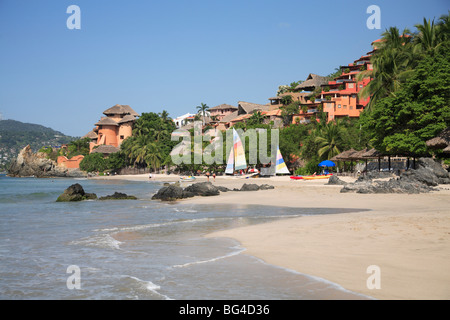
239	153
281	166
230	163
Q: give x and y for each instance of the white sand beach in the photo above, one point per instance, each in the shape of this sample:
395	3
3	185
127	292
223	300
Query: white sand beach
406	236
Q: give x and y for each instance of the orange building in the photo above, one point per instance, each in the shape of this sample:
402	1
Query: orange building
72	163
114	128
339	98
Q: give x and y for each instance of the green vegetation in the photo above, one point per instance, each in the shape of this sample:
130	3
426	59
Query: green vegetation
410	92
15	135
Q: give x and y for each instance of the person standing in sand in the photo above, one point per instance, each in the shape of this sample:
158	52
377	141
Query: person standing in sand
214	176
207	175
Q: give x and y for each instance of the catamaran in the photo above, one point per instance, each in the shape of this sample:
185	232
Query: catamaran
237	161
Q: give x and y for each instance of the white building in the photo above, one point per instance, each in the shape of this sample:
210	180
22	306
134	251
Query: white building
181	120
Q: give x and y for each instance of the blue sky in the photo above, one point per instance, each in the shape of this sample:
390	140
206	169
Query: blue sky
174	55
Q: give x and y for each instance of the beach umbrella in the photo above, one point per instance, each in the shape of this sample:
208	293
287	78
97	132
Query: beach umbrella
327	163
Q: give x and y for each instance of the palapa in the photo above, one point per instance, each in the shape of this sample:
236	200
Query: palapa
313	81
106	149
372	154
344	155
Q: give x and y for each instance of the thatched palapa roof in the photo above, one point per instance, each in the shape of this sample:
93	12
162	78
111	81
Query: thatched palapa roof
127	118
120	109
313	81
223	107
248	107
106	122
91	135
371	154
358	155
106	149
344	155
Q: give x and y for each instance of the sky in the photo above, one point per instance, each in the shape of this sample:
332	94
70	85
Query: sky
174	55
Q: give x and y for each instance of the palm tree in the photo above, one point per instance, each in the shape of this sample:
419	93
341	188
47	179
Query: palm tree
427	38
202	109
444	27
393	64
328	140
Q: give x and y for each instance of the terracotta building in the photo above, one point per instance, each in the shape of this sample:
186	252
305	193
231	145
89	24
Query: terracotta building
339	97
113	129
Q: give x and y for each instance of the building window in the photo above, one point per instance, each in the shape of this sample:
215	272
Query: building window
351	107
360	86
339	106
345	107
122	137
351	85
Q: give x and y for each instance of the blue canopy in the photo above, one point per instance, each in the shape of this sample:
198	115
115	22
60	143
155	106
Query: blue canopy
327	163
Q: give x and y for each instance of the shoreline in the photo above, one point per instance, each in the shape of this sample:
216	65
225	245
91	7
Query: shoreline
406	236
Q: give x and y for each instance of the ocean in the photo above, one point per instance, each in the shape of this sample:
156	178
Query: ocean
140	249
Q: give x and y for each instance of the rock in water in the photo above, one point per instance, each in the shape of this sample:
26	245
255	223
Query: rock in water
171	193
118	196
29	164
204	189
75	193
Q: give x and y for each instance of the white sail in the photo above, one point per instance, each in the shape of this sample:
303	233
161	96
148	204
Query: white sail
281	167
230	163
239	153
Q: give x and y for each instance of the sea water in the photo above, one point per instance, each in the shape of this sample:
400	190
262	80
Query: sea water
136	249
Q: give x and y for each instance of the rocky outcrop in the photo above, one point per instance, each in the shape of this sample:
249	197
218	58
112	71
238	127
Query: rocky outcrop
428	175
29	164
118	196
75	193
255	187
334	180
171	193
204	189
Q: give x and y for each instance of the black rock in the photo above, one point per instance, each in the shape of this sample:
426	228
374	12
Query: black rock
249	187
118	196
204	189
171	193
75	193
334	180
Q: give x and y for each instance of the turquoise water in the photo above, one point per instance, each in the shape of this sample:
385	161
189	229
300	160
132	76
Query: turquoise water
140	249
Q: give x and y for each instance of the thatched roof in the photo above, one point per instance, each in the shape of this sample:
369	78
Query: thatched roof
248	107
312	81
371	154
120	109
229	117
358	155
447	150
441	141
344	155
106	149
91	135
223	107
127	118
107	122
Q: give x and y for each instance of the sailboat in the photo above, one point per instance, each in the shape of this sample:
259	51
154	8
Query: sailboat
281	165
236	159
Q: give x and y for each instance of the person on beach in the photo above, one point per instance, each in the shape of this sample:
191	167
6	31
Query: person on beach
150	176
207	175
214	176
